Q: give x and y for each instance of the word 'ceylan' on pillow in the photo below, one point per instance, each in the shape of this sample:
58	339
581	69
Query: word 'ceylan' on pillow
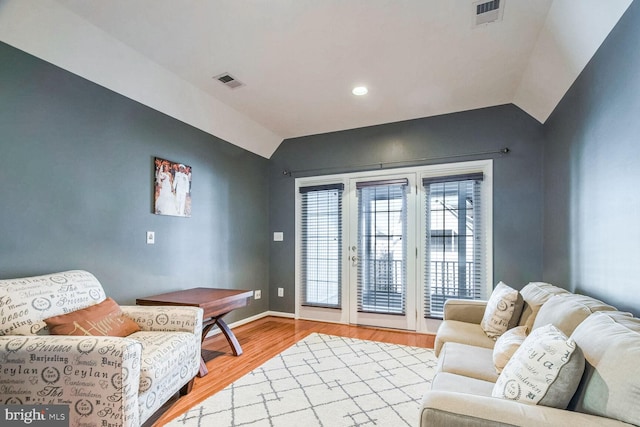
507	344
502	311
545	370
105	318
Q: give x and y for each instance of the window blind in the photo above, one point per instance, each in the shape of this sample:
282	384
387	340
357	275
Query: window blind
454	261
321	271
382	227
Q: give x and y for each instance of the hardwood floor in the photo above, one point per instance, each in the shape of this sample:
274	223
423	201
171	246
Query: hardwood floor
263	339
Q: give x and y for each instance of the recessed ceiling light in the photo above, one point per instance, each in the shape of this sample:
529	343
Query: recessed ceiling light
360	90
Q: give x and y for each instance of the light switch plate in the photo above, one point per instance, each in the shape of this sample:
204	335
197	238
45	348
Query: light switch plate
151	237
278	236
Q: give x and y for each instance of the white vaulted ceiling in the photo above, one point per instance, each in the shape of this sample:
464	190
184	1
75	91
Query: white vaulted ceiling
299	59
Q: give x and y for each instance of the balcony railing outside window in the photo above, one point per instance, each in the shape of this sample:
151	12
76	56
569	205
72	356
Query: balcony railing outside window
445	280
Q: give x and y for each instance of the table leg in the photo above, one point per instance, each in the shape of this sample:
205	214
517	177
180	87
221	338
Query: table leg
228	334
231	338
206	327
203	368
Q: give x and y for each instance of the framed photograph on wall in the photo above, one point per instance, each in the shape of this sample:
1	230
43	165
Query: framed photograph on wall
172	188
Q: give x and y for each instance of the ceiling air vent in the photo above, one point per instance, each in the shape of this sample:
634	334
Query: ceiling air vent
488	11
229	81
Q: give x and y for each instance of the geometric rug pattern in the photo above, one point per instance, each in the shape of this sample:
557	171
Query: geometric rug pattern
324	380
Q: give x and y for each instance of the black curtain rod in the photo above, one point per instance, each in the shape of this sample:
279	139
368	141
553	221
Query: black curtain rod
383	165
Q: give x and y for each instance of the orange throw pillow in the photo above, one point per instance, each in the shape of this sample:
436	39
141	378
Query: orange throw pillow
105	318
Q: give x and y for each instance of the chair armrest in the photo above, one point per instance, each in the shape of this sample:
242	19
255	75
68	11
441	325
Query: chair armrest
166	318
444	408
462	310
98	377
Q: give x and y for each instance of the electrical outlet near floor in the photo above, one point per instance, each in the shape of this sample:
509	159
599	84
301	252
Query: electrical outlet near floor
280	292
257	294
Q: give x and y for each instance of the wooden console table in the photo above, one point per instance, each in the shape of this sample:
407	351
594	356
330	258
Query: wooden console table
216	303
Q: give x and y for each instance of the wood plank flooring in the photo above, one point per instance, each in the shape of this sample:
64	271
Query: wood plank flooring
263	339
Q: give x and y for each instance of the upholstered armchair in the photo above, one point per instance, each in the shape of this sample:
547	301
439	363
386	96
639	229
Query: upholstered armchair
105	380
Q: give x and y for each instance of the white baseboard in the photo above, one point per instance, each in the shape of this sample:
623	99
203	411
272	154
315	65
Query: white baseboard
258	316
280	314
337	322
249	319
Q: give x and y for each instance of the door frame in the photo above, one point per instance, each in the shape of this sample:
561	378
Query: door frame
395	321
343	315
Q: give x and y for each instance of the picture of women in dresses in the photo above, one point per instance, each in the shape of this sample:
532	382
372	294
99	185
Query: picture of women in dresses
172	188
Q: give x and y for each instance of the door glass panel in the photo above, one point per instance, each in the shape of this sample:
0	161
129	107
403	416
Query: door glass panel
382	227
321	246
453	245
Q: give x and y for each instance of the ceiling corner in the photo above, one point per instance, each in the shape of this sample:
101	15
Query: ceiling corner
571	35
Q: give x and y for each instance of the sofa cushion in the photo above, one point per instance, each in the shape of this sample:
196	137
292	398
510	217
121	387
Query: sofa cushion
566	311
502	311
467	360
462	332
507	345
28	301
102	319
545	370
451	408
445	381
610	387
534	295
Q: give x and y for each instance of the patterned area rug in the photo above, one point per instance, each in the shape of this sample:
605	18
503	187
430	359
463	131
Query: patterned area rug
324	380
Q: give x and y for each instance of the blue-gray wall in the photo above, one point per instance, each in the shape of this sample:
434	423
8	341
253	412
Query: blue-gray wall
76	179
517	203
592	175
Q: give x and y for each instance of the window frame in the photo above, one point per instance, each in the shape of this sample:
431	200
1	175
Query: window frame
431	324
339	315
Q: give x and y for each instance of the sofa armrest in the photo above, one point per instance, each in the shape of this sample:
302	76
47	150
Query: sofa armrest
98	377
470	311
166	318
445	408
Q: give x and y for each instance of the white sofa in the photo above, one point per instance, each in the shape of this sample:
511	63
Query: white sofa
607	395
105	380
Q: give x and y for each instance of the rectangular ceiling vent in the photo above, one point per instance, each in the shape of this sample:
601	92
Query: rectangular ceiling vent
488	11
229	81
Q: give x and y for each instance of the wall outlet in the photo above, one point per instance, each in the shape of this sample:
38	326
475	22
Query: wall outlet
257	294
151	237
280	292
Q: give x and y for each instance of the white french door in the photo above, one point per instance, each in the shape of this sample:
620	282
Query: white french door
382	259
388	249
